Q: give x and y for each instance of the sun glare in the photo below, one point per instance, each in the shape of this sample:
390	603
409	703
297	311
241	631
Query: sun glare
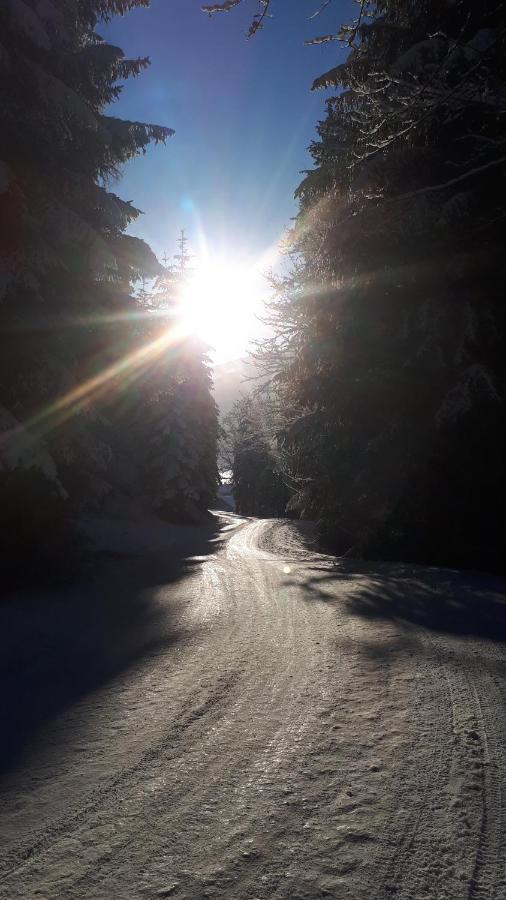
221	305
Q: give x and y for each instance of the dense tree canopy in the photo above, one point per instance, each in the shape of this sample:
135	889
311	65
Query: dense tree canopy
389	348
82	358
397	366
249	452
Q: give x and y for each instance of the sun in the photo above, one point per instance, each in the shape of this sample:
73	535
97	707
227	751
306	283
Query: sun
221	304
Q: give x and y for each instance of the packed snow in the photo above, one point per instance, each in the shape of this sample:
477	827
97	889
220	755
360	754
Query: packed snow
273	723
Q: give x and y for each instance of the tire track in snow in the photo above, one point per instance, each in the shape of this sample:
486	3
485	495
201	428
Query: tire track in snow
264	783
485	748
105	795
405	828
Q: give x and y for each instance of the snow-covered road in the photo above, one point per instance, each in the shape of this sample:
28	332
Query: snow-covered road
308	728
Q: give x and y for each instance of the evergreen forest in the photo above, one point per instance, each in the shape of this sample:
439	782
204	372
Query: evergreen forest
386	369
103	403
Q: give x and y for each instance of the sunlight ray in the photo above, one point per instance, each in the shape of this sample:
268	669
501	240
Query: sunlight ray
128	367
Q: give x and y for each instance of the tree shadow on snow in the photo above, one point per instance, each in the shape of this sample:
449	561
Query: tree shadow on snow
458	603
58	646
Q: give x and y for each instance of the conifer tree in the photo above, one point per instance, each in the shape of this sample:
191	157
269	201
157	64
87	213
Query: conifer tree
250	454
399	374
73	332
180	461
390	344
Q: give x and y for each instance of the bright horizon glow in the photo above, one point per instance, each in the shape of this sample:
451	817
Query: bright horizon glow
221	305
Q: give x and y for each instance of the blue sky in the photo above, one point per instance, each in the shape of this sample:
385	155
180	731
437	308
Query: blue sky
243	114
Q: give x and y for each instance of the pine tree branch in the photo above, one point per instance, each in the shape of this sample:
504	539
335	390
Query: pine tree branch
446	184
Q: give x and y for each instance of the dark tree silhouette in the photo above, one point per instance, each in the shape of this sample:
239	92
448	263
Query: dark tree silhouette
389	348
73	331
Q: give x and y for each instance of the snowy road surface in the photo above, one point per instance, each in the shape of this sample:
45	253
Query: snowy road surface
301	727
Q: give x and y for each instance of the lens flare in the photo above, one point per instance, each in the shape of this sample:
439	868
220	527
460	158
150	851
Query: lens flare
76	399
220	303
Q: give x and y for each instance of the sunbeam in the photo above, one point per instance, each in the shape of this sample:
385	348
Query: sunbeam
76	399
